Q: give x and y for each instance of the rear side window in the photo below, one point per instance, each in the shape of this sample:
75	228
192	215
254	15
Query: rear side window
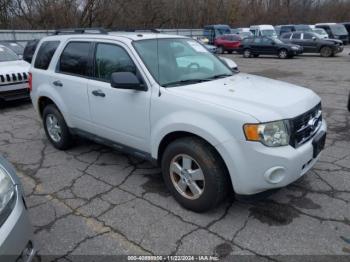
75	59
308	36
286	36
45	54
297	36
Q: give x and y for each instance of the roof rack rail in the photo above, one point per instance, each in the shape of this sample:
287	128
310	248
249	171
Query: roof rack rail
91	30
115	29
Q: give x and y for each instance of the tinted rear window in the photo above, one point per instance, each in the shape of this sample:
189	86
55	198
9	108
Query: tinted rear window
45	54
75	58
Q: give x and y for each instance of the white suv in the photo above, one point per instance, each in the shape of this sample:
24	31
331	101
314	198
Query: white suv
167	99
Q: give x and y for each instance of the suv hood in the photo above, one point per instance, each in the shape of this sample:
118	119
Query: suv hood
336	41
264	99
10	67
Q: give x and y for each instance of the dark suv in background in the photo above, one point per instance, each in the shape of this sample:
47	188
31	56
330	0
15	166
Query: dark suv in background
282	29
255	46
312	43
335	31
347	27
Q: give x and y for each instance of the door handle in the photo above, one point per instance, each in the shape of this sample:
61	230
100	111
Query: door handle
98	93
57	83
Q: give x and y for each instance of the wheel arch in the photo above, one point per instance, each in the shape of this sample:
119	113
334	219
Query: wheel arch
175	135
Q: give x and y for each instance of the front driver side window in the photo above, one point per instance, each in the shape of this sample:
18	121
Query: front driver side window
109	59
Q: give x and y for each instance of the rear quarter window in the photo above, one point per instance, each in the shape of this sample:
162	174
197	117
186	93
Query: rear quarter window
45	54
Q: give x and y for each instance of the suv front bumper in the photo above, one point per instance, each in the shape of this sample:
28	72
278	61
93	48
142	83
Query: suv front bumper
255	168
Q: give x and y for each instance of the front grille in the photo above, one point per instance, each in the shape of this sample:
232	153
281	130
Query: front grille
16	94
13	78
305	126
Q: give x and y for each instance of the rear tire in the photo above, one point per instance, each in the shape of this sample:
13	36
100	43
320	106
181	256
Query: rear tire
56	128
191	160
326	51
221	50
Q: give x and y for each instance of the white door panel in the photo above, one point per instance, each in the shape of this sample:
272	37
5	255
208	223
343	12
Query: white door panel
121	115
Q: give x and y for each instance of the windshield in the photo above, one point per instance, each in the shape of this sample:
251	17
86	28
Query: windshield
304	28
320	31
14	47
223	31
180	61
269	32
338	29
7	55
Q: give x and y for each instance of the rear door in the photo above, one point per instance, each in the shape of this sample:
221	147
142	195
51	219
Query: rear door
71	82
297	39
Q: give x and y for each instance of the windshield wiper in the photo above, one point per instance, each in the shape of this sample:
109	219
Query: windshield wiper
219	76
185	82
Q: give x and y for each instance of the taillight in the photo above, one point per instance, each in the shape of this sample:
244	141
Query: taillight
30	82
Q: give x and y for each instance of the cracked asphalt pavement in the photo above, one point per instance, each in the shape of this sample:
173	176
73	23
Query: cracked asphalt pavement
92	200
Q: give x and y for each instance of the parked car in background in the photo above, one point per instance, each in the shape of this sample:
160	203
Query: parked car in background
206	125
29	50
312	43
282	29
321	33
228	43
15	47
13	76
263	30
213	31
256	46
245	34
347	26
335	31
212	48
16	236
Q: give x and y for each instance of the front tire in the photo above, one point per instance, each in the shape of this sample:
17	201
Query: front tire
326	51
194	174
56	128
283	54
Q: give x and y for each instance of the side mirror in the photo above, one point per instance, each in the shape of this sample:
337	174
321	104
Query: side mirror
314	38
126	80
231	64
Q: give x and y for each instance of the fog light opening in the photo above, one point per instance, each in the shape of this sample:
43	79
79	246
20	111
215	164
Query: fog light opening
275	175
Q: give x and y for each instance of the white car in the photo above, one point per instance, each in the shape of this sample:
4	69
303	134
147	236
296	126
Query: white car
263	30
13	76
168	99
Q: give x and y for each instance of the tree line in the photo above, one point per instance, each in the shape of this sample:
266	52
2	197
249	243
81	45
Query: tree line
145	14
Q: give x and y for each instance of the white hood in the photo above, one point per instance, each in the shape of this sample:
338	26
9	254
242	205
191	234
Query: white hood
263	98
9	67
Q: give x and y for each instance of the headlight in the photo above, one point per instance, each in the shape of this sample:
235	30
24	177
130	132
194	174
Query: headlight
7	189
295	48
271	134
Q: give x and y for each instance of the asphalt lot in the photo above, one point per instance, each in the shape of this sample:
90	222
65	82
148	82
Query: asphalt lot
92	200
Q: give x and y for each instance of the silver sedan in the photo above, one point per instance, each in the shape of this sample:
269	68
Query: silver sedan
16	236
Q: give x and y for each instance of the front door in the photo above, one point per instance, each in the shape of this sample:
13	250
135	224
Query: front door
119	115
310	43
